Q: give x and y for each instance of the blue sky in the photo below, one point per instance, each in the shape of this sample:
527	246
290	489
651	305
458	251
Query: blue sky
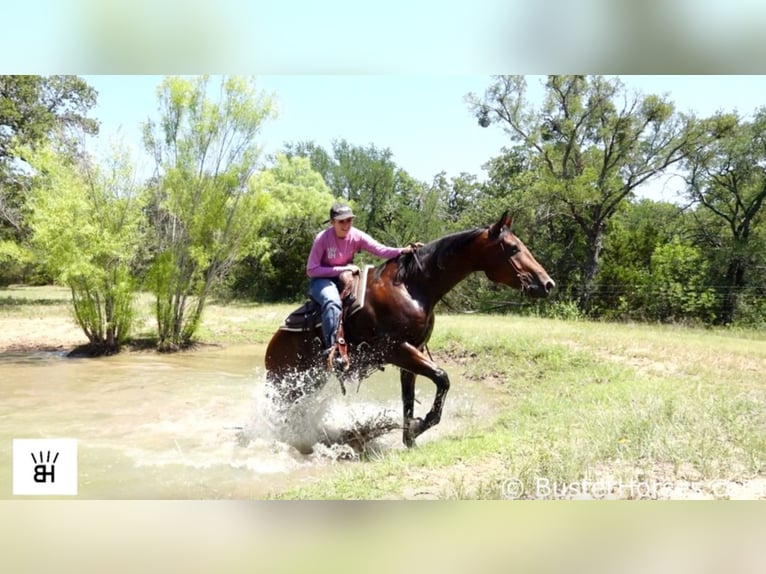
422	119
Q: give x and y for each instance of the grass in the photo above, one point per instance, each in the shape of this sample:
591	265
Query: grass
584	401
232	323
34	302
626	404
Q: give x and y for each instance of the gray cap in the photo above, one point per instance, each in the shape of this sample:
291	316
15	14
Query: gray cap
340	212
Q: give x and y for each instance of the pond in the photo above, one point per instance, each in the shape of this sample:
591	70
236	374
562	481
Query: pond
199	425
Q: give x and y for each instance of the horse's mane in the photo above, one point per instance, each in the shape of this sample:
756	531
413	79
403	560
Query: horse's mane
432	256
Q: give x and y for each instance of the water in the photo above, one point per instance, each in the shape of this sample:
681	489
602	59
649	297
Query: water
199	425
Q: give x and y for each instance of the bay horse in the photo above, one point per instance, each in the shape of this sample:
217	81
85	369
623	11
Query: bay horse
397	317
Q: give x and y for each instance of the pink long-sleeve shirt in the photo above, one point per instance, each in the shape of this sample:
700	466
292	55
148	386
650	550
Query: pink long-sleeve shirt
330	254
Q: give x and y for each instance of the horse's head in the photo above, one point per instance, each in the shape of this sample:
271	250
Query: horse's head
505	259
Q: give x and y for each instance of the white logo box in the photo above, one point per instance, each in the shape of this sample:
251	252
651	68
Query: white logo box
44	466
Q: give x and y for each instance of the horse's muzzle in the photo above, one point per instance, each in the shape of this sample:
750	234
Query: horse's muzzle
541	288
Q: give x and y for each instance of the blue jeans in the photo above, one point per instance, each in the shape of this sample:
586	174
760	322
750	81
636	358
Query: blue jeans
324	291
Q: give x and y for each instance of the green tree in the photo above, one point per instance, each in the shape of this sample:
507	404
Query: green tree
86	223
636	231
458	195
419	211
593	144
205	150
676	286
34	110
365	177
389	203
321	161
728	179
293	202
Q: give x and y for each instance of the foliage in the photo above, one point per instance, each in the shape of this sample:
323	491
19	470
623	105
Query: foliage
635	232
203	215
728	179
389	204
676	284
591	144
574	163
293	202
86	230
34	110
14	258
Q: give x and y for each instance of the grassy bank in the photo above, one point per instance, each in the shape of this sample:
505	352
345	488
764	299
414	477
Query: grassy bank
222	323
634	411
640	411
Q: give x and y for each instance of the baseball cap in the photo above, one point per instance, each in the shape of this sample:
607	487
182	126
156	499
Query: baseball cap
340	212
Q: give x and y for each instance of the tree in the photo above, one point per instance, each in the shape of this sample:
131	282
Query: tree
592	144
205	151
677	284
34	110
365	177
458	194
728	179
293	202
86	224
626	287
419	209
321	161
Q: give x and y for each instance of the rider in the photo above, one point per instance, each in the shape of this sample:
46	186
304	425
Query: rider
332	253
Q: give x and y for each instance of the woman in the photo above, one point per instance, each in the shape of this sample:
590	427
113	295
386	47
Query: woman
332	253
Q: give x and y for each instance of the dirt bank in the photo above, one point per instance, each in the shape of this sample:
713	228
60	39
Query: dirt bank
39	334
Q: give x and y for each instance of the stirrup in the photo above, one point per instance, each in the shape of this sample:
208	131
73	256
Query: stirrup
337	364
333	359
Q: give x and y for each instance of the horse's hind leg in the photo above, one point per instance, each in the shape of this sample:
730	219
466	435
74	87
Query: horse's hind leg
293	367
414	362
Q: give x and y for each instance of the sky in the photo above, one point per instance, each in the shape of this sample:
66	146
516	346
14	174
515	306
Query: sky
422	119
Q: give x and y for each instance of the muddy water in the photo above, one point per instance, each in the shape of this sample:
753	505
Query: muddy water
198	425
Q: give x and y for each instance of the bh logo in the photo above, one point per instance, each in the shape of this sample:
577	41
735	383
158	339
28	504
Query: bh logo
47	470
44	466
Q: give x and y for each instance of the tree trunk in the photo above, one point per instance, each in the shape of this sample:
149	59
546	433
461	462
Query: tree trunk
595	246
733	284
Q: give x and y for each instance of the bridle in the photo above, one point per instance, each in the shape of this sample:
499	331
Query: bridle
524	277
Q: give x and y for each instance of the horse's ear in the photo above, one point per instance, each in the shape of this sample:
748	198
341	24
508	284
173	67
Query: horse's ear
504	222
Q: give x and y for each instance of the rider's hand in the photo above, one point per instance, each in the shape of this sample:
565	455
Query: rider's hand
353	268
412	247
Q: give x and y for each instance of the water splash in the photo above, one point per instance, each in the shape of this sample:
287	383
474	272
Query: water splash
324	424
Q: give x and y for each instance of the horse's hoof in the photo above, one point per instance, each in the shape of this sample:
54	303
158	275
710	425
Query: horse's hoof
413	429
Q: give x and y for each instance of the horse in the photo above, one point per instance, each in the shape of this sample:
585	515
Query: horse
397	317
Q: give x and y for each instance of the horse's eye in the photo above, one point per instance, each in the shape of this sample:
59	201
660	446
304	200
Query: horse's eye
513	249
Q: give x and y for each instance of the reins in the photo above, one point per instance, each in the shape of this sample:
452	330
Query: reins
417	259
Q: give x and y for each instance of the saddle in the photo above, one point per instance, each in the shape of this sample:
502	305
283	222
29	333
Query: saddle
308	317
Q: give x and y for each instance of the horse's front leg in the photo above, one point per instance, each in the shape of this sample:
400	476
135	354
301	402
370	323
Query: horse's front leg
408	403
414	362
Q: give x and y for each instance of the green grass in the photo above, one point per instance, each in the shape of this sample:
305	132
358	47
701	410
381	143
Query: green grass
232	323
34	302
587	401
